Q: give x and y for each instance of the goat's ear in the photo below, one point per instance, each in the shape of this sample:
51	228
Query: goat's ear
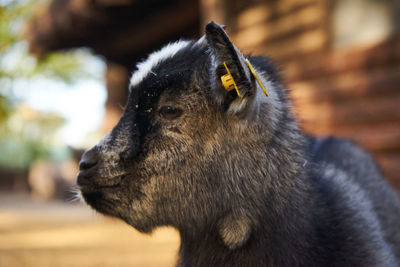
224	55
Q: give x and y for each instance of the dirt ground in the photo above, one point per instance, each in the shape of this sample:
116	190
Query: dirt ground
61	234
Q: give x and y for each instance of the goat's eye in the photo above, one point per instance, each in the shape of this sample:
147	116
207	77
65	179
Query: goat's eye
170	113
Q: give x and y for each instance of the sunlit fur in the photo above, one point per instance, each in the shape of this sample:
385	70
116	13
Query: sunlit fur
145	68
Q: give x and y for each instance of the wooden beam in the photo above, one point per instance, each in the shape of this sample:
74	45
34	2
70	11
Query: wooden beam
150	30
112	29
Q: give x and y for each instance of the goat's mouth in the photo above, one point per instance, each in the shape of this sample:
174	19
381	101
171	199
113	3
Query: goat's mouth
88	182
86	189
103	202
103	197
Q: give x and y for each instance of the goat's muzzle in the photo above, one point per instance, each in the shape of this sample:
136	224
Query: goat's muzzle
91	174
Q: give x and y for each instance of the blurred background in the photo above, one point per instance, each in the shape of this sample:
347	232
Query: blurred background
64	72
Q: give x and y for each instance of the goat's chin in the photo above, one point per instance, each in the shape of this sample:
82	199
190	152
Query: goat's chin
104	201
140	226
97	201
110	204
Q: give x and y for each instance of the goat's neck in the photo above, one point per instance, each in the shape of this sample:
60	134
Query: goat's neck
278	239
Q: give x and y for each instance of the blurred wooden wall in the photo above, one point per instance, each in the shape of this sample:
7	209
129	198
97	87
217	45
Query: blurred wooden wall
341	60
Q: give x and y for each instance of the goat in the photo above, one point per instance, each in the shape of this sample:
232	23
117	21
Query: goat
232	171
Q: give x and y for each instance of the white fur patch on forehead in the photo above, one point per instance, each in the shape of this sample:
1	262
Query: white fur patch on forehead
145	67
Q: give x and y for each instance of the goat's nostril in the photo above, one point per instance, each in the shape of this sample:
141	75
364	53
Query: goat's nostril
89	160
86	165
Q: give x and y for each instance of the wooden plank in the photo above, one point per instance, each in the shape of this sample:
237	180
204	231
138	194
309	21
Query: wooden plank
355	111
272	13
305	42
377	137
326	63
285	6
352	84
255	35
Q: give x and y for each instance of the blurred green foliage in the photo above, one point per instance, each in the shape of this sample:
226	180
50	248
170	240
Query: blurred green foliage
26	134
15	60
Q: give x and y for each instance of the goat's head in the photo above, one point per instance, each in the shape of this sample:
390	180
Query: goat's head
181	150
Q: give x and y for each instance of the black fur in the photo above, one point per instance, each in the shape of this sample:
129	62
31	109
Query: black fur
237	177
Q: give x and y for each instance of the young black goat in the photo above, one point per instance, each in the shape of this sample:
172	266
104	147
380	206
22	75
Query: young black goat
235	175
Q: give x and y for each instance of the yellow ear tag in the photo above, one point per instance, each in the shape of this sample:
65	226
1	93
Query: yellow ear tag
253	71
228	82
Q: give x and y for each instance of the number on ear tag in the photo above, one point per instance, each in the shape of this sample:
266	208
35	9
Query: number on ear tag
228	82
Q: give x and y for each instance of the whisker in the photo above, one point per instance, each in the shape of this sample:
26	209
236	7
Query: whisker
76	195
